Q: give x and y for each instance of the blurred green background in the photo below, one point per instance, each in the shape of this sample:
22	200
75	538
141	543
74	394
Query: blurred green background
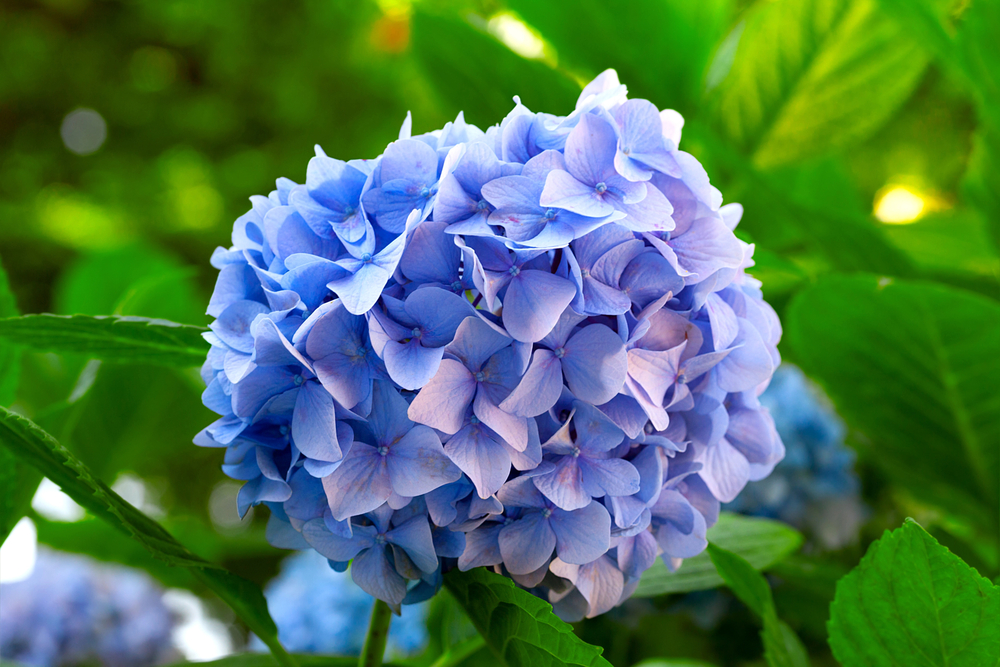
860	136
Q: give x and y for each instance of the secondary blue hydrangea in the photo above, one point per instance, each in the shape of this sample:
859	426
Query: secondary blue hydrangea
320	610
814	487
72	611
533	349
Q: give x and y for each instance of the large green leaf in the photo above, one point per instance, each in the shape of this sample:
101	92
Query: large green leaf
472	71
782	647
660	49
913	367
37	448
116	339
810	76
912	602
762	542
520	629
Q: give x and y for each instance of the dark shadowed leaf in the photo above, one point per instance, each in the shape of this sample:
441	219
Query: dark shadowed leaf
115	339
914	368
472	71
782	647
520	629
762	542
660	49
913	602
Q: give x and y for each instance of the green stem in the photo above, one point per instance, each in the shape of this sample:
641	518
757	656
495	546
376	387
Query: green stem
378	633
459	652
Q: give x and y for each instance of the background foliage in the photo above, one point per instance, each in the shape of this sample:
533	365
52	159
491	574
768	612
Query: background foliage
813	114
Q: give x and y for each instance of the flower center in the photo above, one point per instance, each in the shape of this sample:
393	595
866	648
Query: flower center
349	211
547	512
585	273
626	150
417	332
514	270
380	539
456	286
366	258
601	188
283	430
298	380
550	214
480	376
474	420
425	192
560	352
575	451
482	205
383	450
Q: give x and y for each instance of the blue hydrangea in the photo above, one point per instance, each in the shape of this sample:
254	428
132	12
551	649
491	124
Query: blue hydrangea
72	611
814	487
533	348
320	610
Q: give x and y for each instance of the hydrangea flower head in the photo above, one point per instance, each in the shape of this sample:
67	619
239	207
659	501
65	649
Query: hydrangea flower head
72	611
533	348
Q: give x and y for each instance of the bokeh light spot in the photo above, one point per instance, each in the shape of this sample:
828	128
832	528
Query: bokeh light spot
517	36
18	553
83	131
898	205
50	501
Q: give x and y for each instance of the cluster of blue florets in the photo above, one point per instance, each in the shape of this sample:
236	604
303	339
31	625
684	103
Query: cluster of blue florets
73	611
814	488
533	348
319	610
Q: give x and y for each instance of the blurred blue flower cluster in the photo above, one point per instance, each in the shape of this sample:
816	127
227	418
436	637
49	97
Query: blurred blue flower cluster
814	487
73	611
533	348
320	610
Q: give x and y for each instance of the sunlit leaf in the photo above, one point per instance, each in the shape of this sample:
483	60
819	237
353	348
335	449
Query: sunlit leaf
913	602
520	629
115	339
810	76
762	542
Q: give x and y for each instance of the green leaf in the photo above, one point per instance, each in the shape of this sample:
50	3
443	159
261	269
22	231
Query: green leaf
37	448
782	647
115	339
762	542
914	367
520	629
472	71
678	37
17	481
811	76
672	662
912	602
